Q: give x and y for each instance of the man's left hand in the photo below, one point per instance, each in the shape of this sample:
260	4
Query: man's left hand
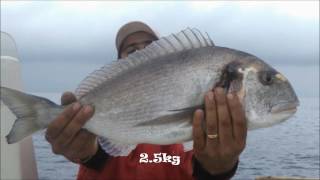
225	118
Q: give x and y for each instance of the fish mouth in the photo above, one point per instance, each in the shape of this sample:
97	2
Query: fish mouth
286	107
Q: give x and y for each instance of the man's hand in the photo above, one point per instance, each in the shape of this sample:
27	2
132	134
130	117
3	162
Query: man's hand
65	134
225	117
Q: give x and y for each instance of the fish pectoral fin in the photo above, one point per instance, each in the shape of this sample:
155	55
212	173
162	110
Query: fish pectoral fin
187	109
176	116
114	148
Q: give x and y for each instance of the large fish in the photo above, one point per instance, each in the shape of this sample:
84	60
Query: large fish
149	97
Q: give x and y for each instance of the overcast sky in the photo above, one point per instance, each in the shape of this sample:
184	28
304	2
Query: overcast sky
59	43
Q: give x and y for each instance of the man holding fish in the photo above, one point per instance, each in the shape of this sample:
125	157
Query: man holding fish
215	152
175	107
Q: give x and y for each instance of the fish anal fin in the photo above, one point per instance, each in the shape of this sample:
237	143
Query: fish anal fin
114	148
187	146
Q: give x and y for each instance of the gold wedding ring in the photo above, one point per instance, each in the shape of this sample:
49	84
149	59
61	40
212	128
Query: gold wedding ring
212	136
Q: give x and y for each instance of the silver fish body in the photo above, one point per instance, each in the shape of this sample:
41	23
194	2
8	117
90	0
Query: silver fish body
150	96
136	102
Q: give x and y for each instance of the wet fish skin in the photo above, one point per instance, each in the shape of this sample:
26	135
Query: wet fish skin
150	96
166	84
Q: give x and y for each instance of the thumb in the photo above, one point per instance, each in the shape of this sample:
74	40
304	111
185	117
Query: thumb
68	98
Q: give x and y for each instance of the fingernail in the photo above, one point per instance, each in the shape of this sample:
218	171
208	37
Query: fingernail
76	106
230	96
210	95
87	109
199	112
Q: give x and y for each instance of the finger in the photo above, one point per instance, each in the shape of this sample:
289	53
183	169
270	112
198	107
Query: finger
78	147
211	119
58	124
238	117
225	127
198	134
68	98
74	126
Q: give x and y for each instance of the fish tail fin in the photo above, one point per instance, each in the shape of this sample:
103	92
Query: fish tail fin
33	113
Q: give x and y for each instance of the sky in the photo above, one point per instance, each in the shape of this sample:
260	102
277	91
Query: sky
59	43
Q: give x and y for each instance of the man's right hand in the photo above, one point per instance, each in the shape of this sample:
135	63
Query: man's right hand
65	133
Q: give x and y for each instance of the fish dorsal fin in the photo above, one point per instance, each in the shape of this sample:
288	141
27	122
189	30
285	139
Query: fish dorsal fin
184	40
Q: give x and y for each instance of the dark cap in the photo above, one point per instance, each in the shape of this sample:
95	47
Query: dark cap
130	28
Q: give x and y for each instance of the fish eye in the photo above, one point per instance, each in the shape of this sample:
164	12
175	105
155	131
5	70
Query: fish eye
267	77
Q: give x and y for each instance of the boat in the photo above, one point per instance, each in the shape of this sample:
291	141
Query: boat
17	160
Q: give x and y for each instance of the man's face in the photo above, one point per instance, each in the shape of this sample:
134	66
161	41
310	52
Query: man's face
134	42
